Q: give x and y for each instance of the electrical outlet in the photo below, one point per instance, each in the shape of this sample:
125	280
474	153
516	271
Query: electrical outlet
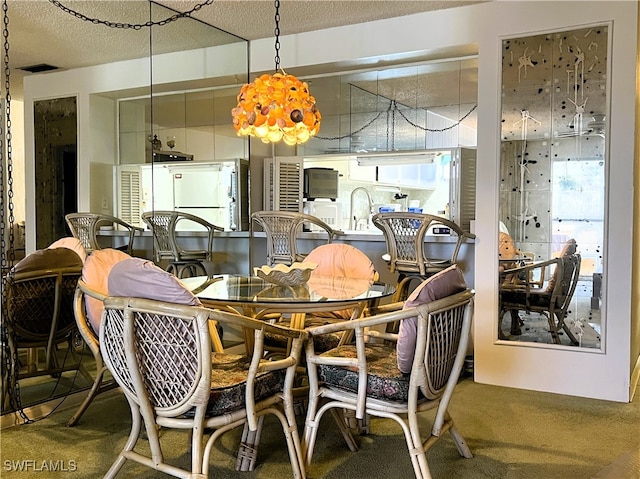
105	203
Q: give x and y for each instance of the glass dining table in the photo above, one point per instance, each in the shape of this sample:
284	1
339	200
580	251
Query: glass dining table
255	297
252	296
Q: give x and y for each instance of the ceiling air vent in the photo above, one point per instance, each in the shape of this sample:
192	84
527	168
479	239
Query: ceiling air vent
39	68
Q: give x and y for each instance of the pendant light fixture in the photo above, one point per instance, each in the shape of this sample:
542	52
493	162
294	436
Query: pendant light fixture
277	107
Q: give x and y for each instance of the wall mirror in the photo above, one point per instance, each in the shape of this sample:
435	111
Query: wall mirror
186	48
374	121
177	139
405	107
553	185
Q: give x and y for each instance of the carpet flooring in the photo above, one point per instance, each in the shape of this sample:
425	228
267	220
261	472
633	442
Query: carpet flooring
513	434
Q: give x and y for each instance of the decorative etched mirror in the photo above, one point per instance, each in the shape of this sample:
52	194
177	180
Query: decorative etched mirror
553	187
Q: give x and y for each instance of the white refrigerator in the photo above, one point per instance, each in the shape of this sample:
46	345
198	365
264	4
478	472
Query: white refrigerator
204	191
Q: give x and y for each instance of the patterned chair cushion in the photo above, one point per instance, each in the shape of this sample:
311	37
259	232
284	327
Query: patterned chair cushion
321	343
229	383
384	380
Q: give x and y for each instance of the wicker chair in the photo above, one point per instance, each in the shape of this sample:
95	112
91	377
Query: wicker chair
405	234
345	263
100	384
39	306
365	378
282	229
182	262
160	354
552	301
85	227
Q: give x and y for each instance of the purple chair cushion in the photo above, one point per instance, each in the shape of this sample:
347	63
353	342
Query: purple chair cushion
141	278
440	285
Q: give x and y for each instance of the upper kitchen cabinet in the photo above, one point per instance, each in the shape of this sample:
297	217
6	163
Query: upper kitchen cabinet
409	176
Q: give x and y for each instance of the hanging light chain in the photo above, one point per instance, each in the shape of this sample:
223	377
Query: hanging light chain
133	26
277	34
8	251
438	130
395	107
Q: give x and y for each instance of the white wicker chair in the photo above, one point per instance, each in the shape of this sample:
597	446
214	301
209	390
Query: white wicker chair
364	378
182	262
160	354
100	384
85	227
404	234
282	229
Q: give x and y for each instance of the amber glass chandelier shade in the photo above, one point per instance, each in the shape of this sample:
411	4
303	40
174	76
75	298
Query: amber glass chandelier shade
276	107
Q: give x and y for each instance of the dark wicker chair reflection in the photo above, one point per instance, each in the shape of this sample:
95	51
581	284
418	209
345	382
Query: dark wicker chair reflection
552	301
282	229
182	262
407	255
39	306
85	227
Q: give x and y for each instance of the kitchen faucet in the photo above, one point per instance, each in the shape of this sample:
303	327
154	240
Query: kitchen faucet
352	218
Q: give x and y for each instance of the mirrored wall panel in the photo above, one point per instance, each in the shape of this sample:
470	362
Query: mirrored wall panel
410	107
553	187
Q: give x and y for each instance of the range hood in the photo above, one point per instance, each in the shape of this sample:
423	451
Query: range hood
399	157
162	156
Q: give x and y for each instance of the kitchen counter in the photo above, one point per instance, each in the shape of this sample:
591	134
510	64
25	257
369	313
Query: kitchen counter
376	235
232	248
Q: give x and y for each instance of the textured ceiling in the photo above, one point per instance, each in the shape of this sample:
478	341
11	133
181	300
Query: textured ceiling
41	32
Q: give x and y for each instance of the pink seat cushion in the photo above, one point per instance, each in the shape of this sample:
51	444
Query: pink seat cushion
71	243
440	285
46	259
569	248
339	259
506	246
351	270
141	278
95	274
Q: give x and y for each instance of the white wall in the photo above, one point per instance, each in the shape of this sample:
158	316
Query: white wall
582	373
17	157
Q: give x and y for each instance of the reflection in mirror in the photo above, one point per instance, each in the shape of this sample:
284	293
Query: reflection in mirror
56	138
28	376
552	190
177	140
412	107
180	62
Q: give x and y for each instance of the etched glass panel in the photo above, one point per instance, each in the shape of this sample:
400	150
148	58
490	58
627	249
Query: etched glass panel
553	174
